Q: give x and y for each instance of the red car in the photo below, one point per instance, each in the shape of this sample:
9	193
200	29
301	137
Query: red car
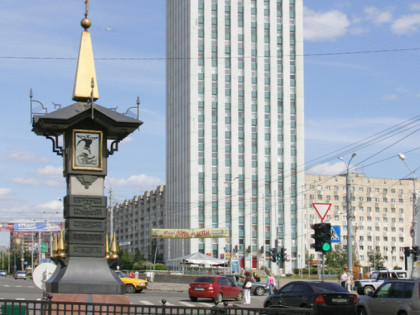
218	288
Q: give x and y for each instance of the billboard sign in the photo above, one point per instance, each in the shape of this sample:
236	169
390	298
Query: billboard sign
191	233
37	227
6	227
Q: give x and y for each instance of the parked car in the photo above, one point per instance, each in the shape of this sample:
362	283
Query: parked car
376	279
20	275
132	284
218	288
320	297
3	273
393	297
258	288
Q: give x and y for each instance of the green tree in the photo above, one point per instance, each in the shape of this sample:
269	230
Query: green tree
138	257
336	258
125	262
375	259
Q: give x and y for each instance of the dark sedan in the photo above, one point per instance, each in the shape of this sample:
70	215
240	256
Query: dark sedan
321	297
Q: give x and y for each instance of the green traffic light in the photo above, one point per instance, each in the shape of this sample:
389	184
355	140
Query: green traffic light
326	247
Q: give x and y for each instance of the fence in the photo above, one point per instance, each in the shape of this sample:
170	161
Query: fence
17	307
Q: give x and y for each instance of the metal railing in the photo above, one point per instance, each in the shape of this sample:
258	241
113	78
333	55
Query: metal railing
19	307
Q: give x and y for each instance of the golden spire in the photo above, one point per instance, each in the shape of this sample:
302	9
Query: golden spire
85	72
106	246
55	246
114	249
61	246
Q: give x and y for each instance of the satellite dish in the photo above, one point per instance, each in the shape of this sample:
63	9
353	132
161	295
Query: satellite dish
42	273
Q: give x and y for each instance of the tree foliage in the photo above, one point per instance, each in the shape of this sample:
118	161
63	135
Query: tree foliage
375	259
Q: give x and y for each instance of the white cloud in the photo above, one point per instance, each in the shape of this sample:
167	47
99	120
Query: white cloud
330	169
406	25
322	26
51	207
377	16
415	7
50	171
141	182
25	156
389	97
5	193
26	181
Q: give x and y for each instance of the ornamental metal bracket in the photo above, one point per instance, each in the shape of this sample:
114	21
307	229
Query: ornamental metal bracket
113	148
55	147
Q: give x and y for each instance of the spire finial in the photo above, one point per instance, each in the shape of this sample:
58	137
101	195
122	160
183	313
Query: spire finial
86	22
86	8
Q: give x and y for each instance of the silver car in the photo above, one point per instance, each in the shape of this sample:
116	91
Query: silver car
20	275
3	273
393	297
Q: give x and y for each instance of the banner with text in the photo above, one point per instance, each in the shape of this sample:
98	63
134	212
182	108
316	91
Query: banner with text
191	233
37	227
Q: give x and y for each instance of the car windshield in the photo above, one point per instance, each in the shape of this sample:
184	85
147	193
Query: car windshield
325	287
205	280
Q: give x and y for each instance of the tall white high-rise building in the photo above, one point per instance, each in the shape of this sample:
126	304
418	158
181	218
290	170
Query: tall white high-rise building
235	113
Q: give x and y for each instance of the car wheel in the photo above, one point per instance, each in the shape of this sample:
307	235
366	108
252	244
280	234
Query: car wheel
219	298
240	296
129	288
259	291
402	313
194	299
268	304
367	289
361	311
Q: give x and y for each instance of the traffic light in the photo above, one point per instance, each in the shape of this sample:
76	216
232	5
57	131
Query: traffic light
282	254
273	254
317	237
322	237
325	237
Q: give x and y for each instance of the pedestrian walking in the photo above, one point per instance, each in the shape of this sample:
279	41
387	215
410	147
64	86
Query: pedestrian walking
247	288
344	277
271	283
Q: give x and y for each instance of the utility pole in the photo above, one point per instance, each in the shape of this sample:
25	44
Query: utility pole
348	209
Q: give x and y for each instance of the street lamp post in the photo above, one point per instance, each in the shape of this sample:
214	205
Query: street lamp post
348	210
413	223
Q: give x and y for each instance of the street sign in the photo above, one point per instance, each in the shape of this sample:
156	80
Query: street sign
322	209
335	234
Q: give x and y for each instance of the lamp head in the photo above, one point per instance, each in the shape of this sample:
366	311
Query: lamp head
401	156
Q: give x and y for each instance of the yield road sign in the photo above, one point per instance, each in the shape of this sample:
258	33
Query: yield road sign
322	209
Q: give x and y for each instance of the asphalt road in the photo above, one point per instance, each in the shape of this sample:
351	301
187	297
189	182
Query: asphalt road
13	289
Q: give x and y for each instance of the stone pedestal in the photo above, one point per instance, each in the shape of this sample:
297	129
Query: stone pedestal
109	303
85	275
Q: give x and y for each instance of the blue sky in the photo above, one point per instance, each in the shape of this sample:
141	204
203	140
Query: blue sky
361	77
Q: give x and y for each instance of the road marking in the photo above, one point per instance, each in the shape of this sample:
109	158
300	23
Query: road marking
146	302
170	304
187	304
205	304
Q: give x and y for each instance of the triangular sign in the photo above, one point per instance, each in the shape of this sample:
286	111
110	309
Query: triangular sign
322	209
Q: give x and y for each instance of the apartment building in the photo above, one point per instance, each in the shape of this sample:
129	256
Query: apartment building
235	126
381	210
133	220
